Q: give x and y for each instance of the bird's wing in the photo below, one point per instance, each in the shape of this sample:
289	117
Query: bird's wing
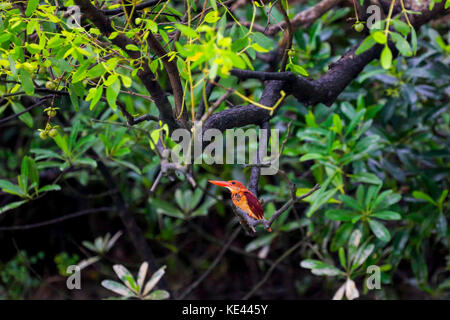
254	205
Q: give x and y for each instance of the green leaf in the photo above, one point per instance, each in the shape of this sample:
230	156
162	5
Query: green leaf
360	195
131	47
163	207
187	31
340	215
379	37
12	205
27	82
350	202
213	4
341	236
423	196
368	43
311	156
96	71
31	7
86	162
112	92
353	243
259	242
320	268
23	178
203	209
419	266
5	37
73	134
50	187
366	178
262	40
385	200
386	58
387	215
414	40
342	257
158	295
129	165
295	68
9	187
154	280
26	117
371	194
61	142
96	97
117	288
443	196
318	199
212	17
363	253
355	120
126	81
401	44
379	230
73	97
337	123
401	27
152	25
29	171
125	276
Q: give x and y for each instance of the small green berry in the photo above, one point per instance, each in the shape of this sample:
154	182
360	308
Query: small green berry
51	113
43	135
291	53
53	133
28	67
50	85
358	27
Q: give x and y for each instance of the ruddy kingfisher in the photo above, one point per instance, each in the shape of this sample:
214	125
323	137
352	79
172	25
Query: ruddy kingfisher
243	198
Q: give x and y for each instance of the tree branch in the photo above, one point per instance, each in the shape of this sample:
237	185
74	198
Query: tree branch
304	18
145	74
40	102
174	77
57	220
307	91
139	6
213	265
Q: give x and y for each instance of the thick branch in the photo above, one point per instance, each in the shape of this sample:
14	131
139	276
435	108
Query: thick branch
145	74
307	91
174	76
304	18
256	170
139	6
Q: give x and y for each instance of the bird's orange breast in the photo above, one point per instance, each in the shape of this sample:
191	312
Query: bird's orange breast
240	199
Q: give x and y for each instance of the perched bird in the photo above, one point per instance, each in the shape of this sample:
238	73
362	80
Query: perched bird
243	198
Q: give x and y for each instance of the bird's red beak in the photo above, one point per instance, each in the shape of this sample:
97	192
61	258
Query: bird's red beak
220	183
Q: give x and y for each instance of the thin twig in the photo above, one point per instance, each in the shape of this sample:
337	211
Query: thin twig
42	100
56	220
269	272
212	266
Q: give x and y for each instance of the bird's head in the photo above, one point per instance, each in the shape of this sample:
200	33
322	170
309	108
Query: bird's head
232	185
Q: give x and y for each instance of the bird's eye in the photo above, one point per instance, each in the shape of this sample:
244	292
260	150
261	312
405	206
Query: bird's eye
233	182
